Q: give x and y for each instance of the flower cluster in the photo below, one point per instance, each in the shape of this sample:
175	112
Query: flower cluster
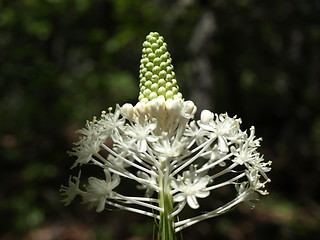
158	145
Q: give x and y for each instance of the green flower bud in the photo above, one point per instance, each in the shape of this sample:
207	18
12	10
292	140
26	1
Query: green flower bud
154	87
148	75
157	77
153	95
162	82
157	61
168	85
158	53
148	50
148	84
163	65
144	61
151	56
146	92
163	74
149	66
169	94
162	91
142	80
146	44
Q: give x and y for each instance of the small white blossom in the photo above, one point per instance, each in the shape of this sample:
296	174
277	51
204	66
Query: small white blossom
99	190
141	135
85	151
221	127
249	197
254	180
243	154
72	190
168	149
89	144
150	178
190	187
195	133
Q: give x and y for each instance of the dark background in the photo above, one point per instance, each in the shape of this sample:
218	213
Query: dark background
63	61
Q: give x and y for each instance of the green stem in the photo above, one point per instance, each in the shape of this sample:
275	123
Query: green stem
166	224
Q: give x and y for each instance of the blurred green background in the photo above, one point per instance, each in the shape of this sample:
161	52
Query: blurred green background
63	61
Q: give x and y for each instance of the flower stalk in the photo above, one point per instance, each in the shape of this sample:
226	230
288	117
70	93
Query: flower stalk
166	222
174	160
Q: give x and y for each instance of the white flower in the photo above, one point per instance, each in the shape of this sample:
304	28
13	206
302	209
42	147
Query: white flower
72	190
112	123
168	149
261	166
221	127
195	133
254	181
190	187
86	149
99	190
249	197
89	144
119	163
244	154
152	179
215	155
141	134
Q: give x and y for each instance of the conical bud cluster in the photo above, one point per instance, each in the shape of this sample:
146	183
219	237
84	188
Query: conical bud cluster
157	77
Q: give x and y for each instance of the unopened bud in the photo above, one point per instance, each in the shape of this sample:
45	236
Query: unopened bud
127	111
206	116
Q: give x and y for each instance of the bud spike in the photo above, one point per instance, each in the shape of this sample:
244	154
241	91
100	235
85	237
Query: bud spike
157	78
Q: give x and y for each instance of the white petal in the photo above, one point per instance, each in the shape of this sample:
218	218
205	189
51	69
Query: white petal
115	181
174	184
108	176
142	146
179	197
203	194
202	183
208	127
222	144
192	201
101	205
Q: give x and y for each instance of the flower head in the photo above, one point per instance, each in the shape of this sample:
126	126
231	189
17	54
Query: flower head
172	158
